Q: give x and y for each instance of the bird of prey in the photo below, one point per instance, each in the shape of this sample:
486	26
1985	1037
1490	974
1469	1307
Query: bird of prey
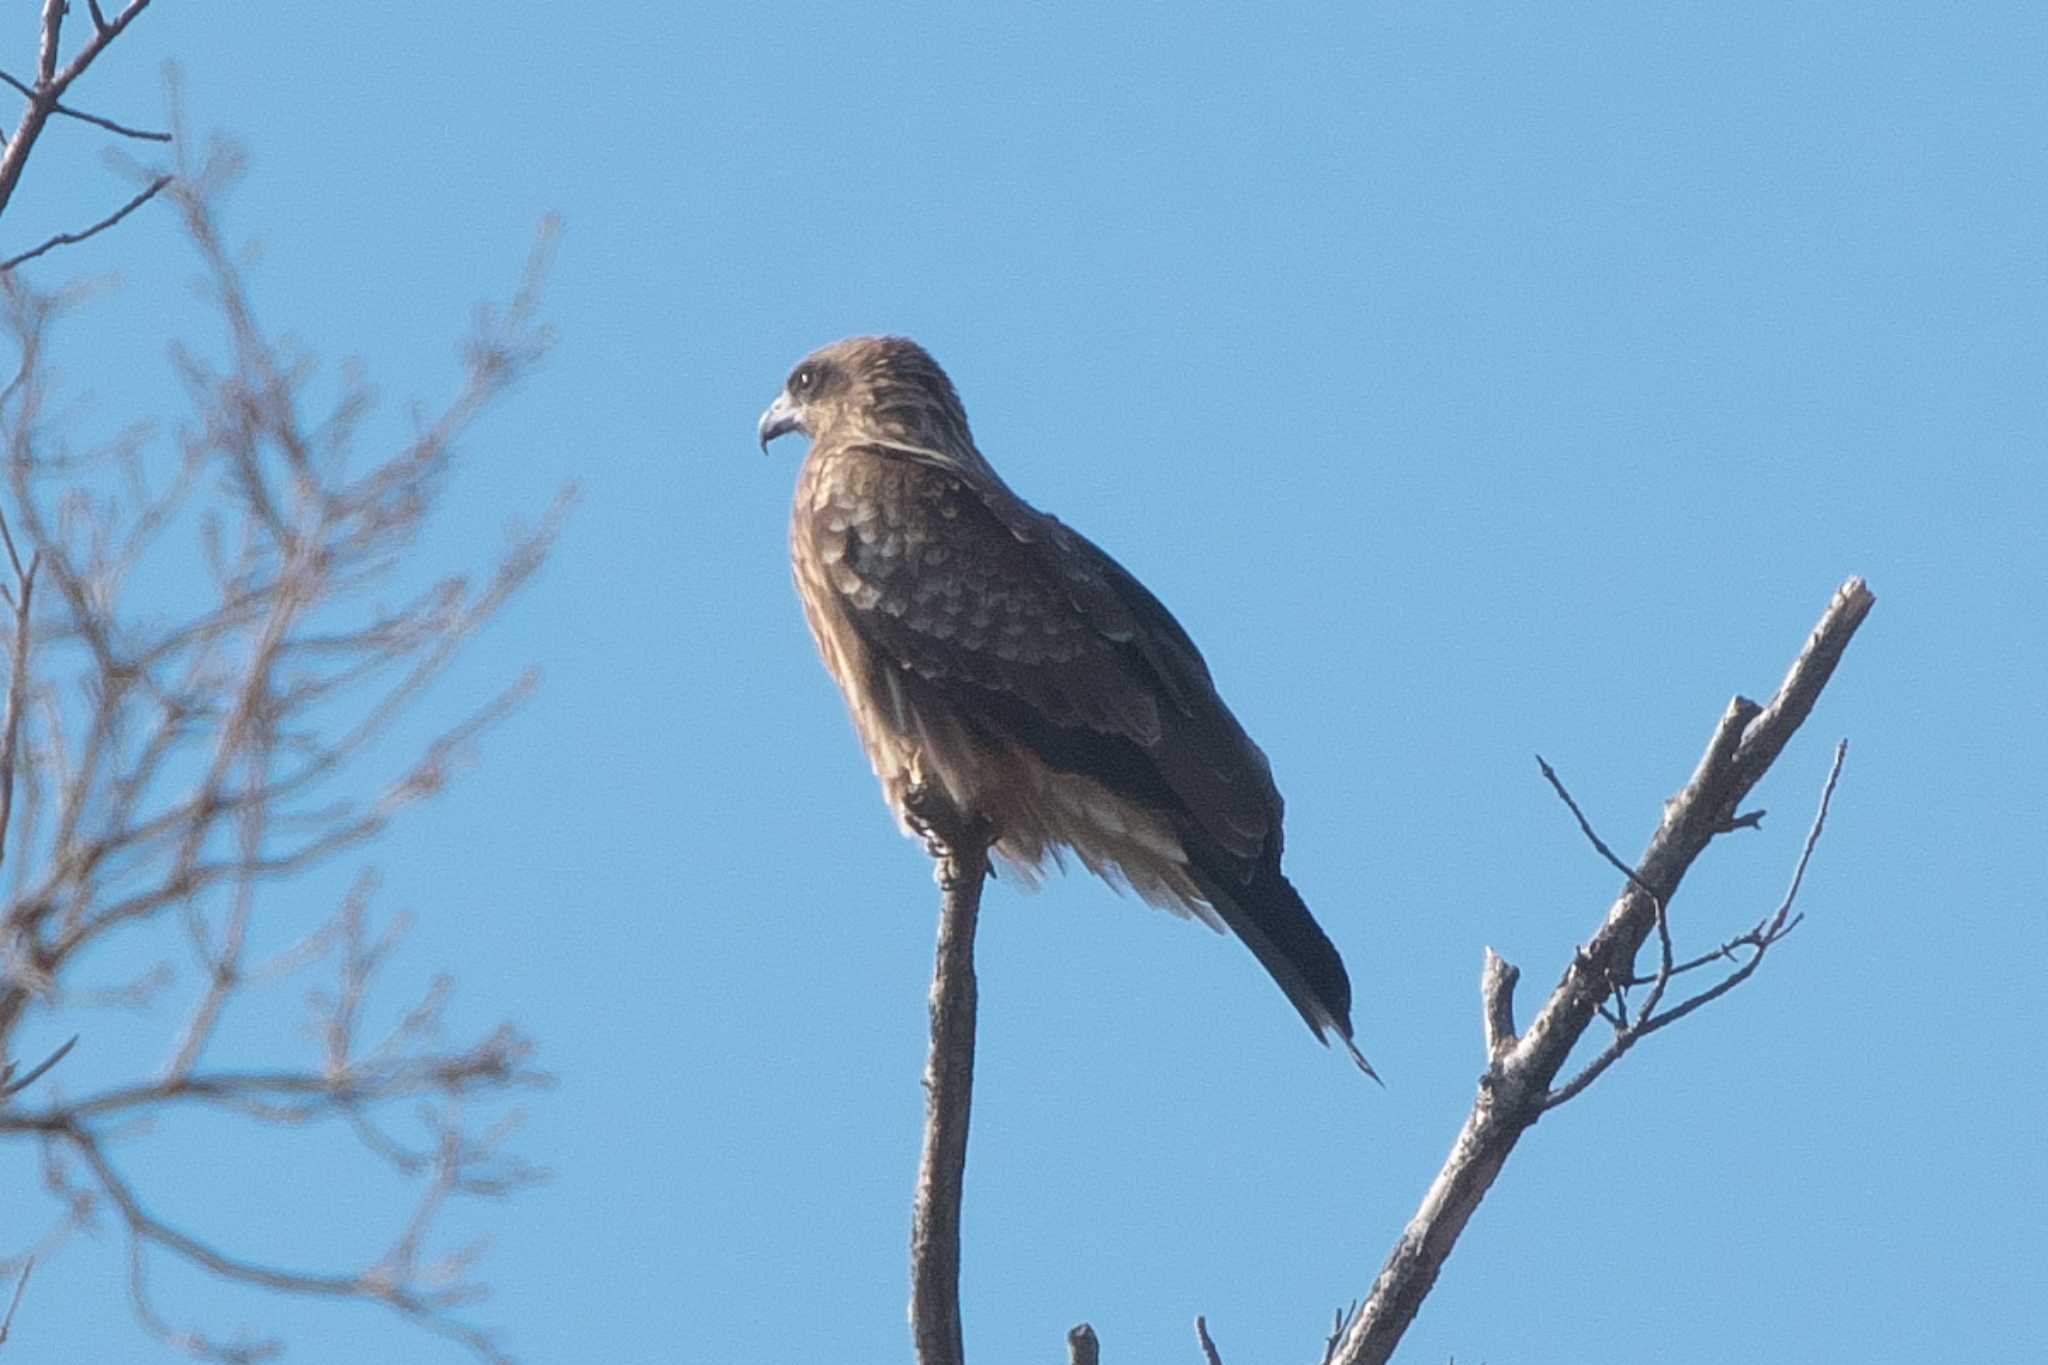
985	647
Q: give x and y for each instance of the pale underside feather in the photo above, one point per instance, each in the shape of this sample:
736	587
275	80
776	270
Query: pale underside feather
1038	810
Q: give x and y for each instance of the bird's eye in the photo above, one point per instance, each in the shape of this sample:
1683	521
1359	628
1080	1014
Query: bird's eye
805	378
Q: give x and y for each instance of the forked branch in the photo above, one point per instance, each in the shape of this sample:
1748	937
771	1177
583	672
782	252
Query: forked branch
1516	1089
1768	931
43	99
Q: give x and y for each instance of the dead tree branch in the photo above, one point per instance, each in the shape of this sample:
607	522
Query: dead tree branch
1497	999
1516	1089
1758	940
71	238
959	847
10	1087
17	683
14	1301
1341	1318
28	91
45	97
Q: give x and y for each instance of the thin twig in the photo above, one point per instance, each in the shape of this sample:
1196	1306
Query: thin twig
1820	820
427	1307
1771	931
13	554
1340	1320
97	121
1209	1351
13	1087
72	238
1724	953
1663	923
17	692
123	129
499	1062
1759	939
7	1323
1664	965
1592	836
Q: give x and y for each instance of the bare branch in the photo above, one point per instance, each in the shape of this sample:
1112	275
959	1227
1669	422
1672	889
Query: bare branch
1209	1351
1586	827
71	238
28	91
191	1248
295	1096
400	1292
1341	1319
959	847
1665	968
1759	940
53	29
1497	983
9	1087
20	1283
17	685
100	121
1516	1090
50	85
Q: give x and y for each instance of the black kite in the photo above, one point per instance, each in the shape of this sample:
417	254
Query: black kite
986	647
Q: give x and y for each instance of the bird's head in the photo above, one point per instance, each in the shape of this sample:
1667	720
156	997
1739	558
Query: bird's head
886	390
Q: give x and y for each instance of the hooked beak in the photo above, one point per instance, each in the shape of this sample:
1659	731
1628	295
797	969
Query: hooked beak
781	418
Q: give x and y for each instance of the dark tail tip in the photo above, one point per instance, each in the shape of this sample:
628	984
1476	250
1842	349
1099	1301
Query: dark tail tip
1359	1057
1270	917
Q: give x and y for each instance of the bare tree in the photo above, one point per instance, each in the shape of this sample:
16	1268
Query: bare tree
1520	1083
212	628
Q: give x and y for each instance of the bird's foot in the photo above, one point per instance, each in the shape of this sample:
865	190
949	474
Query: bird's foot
950	836
928	814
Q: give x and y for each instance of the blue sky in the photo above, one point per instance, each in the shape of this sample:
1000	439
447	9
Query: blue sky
1471	382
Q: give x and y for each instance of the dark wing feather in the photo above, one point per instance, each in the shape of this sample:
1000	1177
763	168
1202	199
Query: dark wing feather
967	586
1045	641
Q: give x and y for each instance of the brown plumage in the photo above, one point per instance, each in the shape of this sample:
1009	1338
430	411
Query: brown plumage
987	648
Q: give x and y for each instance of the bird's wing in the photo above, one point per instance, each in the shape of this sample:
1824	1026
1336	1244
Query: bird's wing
1041	634
1039	640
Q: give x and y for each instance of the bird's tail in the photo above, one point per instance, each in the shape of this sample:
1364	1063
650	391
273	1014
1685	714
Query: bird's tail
1272	920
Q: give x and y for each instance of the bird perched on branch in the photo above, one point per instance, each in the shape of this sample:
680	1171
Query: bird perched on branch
990	651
